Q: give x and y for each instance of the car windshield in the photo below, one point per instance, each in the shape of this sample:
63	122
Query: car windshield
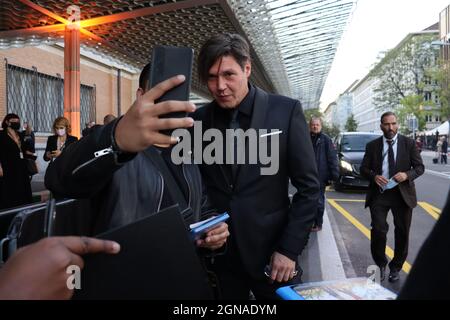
357	142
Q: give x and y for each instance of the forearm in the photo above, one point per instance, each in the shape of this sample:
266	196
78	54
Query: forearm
80	171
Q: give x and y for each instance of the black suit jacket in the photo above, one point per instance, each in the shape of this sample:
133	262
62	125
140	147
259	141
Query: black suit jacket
52	144
408	161
263	220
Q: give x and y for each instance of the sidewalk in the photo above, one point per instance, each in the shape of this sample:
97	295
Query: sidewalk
321	260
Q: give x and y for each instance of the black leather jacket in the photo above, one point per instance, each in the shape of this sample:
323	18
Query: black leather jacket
122	187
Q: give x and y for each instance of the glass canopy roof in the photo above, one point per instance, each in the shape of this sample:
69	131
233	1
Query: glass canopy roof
293	42
296	41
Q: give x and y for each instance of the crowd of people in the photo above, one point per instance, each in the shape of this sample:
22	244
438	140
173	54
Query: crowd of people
257	250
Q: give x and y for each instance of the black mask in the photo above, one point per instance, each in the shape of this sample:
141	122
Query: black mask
14	125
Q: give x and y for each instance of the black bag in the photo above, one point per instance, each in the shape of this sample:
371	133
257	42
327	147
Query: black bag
31	165
435	160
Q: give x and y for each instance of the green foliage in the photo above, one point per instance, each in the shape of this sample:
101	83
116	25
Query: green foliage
351	125
331	131
411	105
401	71
312	113
441	75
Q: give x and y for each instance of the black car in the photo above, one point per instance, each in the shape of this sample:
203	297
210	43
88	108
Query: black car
350	148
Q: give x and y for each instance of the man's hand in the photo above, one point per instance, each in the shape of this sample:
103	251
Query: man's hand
139	128
38	271
400	177
55	153
282	267
381	181
215	238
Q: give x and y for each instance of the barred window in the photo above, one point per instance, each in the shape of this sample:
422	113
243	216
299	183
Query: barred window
39	98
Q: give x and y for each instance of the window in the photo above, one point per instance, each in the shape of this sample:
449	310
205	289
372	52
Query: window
39	98
427	96
436	99
356	142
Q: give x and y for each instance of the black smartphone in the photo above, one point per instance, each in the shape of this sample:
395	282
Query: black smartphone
168	62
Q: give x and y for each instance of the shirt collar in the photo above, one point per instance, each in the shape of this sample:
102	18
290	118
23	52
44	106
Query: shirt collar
393	139
246	105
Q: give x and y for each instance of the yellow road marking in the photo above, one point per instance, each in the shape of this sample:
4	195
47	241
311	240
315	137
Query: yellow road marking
431	210
365	231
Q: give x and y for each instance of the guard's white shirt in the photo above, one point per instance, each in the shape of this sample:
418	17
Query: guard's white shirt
386	156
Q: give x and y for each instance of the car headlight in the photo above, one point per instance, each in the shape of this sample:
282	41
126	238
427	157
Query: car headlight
347	166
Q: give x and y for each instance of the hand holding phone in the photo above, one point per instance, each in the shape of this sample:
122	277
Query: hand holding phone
212	233
139	127
168	62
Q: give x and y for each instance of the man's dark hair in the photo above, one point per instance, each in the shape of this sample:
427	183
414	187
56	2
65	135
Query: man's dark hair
8	117
144	77
386	114
226	44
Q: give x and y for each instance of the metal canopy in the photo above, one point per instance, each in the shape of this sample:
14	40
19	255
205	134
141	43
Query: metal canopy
293	42
303	33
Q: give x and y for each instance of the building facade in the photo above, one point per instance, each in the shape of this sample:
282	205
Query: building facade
366	114
344	107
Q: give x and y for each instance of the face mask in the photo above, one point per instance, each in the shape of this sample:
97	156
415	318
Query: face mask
391	184
61	132
14	125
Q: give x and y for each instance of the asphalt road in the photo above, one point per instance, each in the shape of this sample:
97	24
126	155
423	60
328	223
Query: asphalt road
351	221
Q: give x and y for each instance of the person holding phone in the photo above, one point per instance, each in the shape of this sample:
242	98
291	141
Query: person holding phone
60	140
116	166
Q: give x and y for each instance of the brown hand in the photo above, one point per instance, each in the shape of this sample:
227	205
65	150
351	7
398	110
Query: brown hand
139	128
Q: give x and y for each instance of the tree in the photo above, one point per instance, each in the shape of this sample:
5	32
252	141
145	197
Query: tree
351	125
440	74
331	131
403	78
312	113
401	70
411	105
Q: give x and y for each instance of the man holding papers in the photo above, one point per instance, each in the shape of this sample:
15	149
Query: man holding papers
391	163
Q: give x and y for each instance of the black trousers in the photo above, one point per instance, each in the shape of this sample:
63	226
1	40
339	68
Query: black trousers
320	206
390	200
234	283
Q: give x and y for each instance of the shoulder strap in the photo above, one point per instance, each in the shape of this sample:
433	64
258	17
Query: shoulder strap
174	190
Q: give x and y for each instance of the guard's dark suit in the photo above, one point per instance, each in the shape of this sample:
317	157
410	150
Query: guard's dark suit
263	220
401	199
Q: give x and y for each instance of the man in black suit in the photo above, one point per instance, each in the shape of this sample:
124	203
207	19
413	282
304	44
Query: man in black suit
391	163
268	232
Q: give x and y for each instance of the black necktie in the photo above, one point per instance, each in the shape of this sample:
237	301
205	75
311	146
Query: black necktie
391	160
234	124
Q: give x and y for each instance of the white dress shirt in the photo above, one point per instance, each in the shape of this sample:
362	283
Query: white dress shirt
385	154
